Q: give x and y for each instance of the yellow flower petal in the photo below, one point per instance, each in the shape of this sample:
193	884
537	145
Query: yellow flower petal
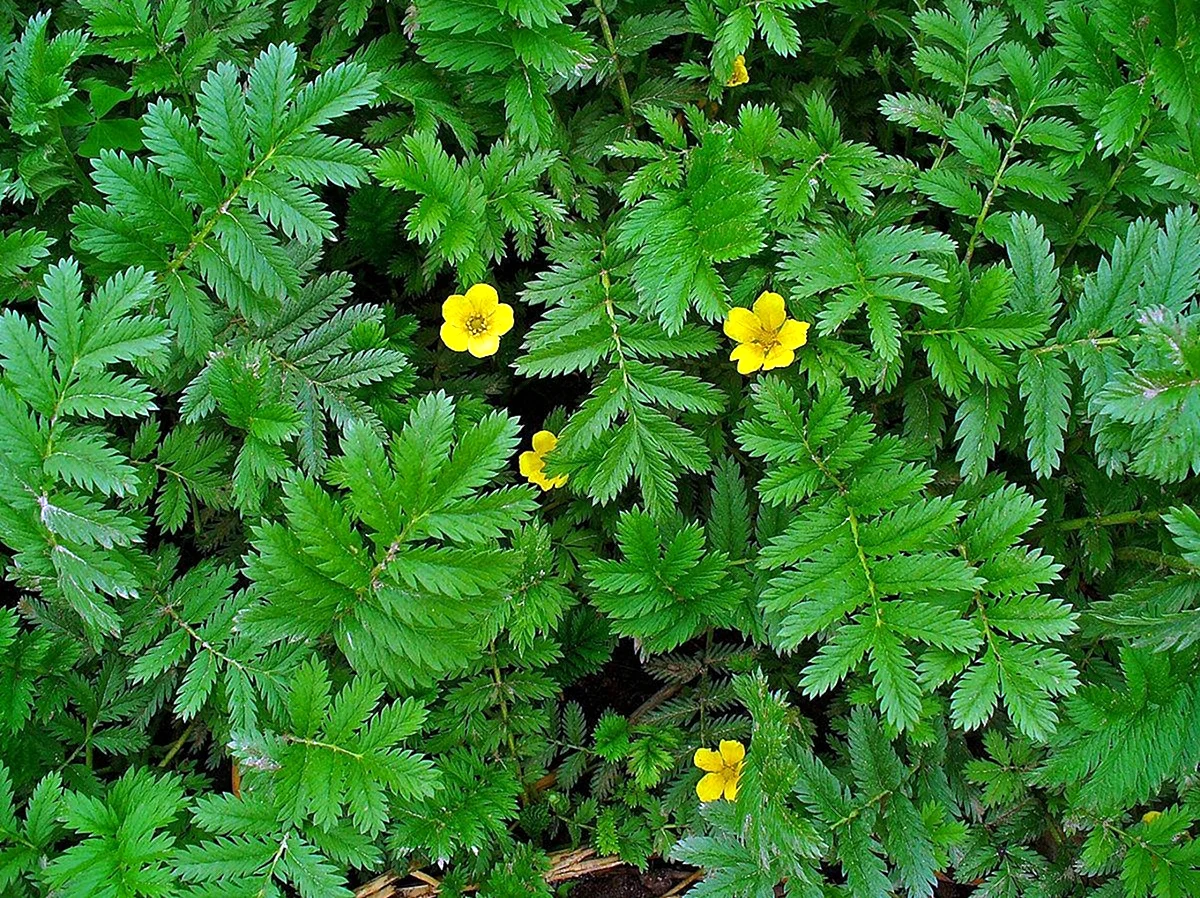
1150	816
502	320
483	299
770	309
533	465
778	357
455	336
740	74
732	752
530	463
456	309
732	783
742	325
711	786
749	358
483	345
793	334
707	759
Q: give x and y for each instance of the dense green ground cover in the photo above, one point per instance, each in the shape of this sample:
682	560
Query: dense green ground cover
754	435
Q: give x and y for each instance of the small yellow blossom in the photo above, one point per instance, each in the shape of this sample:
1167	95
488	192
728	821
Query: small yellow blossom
533	463
1150	816
723	770
766	337
740	74
475	322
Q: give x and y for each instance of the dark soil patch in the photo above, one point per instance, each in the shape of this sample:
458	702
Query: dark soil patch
532	399
947	889
621	685
627	883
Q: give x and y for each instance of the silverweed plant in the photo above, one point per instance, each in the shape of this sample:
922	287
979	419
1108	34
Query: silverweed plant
733	448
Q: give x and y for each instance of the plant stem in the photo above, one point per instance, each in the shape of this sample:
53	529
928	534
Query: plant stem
512	743
178	744
622	87
1094	342
991	196
1110	520
269	875
1158	559
611	311
1112	182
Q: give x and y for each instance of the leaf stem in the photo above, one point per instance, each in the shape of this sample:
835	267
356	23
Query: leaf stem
1157	559
1108	187
611	312
991	196
80	175
178	743
622	87
1109	520
500	687
317	743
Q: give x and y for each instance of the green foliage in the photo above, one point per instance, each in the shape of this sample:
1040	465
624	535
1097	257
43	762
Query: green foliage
207	205
339	757
625	428
405	598
662	594
122	850
283	612
710	210
283	380
768	837
62	474
466	213
1128	741
866	544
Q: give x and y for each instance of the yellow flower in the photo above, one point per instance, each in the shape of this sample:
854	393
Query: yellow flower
723	770
766	337
1150	816
476	322
533	463
740	75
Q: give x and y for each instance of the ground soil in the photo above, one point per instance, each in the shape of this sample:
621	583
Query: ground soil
627	883
620	686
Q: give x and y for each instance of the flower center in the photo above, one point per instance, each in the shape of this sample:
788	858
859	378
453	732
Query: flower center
767	339
477	325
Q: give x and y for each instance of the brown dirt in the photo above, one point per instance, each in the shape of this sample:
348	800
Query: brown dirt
627	883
